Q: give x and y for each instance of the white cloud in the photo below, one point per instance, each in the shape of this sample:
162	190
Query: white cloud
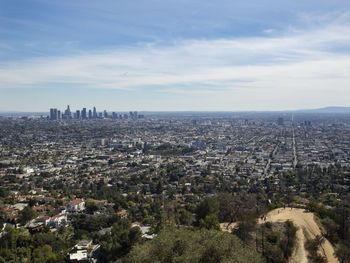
298	62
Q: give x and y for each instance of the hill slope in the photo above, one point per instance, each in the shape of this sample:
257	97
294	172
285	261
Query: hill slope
174	245
308	228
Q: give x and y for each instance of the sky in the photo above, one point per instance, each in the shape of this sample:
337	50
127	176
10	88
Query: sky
174	55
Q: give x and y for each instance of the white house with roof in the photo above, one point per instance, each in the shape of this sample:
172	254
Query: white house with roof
77	205
56	221
84	251
79	256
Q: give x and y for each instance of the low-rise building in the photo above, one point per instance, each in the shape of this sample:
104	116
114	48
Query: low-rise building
55	221
77	205
83	252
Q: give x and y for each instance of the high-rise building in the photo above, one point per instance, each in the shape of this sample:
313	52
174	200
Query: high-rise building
133	115
68	113
53	114
94	113
83	114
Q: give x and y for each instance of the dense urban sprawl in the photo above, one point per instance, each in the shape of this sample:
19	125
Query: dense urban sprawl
82	182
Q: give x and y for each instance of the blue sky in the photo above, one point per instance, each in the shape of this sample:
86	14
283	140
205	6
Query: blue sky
174	55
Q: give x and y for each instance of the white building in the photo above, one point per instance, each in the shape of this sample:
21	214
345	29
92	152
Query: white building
84	251
56	221
76	205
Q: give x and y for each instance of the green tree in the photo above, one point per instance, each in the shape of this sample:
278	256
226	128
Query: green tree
91	207
313	246
210	222
343	253
195	246
206	207
119	242
185	217
331	228
244	229
26	214
44	254
3	192
290	233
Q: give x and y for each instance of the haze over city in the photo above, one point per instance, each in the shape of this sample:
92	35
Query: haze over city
174	55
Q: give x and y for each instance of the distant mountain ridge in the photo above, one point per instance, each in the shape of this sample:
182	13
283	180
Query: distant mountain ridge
332	109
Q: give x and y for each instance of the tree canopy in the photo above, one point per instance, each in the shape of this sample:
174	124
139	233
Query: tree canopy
185	245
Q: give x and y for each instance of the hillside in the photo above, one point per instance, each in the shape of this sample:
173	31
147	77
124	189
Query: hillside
174	245
307	229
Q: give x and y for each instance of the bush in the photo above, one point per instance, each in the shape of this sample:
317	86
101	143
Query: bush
272	237
195	246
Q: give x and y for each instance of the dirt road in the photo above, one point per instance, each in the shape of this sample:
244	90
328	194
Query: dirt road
307	229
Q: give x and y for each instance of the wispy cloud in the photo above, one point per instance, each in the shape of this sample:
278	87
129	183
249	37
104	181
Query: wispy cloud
303	61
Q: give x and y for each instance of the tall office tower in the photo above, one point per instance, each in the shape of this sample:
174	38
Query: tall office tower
59	116
94	113
114	115
105	114
90	114
135	115
83	114
67	113
53	114
78	114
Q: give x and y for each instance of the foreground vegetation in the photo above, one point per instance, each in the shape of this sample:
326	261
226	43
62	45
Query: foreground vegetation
195	246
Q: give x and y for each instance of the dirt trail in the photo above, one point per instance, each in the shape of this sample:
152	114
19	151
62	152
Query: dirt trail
304	221
228	227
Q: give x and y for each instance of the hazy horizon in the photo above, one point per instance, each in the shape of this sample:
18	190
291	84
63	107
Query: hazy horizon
327	109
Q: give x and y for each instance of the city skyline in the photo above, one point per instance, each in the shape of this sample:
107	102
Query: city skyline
328	109
174	55
85	114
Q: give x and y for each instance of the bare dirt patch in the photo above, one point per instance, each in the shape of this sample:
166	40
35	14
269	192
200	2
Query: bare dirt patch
228	227
308	229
